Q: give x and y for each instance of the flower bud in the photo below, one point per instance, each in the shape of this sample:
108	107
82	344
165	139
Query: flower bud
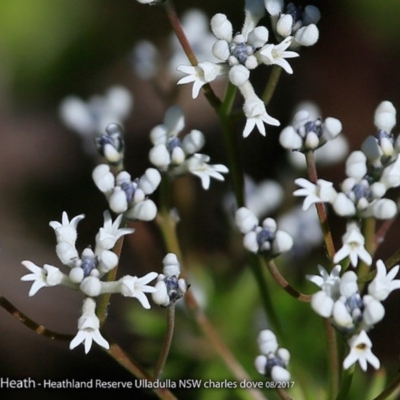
146	210
284	25
91	286
221	27
307	35
245	220
103	178
149	181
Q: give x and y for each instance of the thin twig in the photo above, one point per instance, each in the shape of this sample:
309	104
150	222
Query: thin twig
283	283
323	218
167	342
30	323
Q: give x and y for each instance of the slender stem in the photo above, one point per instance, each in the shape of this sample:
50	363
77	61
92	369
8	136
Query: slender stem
323	218
283	394
283	283
121	357
231	140
230	361
346	383
167	342
168	231
394	385
181	36
393	259
272	84
30	323
333	358
369	235
257	265
104	299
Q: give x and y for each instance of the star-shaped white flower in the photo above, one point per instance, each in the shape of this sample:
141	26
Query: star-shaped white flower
198	165
353	247
41	277
110	233
256	115
132	286
383	283
321	192
66	230
88	326
203	73
360	350
275	54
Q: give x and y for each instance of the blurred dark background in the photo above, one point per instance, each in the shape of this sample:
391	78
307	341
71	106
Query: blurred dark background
51	49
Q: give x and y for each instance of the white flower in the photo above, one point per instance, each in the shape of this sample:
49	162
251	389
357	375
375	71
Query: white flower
110	233
321	192
88	326
383	283
66	230
42	277
272	54
132	286
353	246
256	114
360	350
322	302
204	72
197	165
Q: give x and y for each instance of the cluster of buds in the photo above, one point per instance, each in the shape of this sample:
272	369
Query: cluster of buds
128	197
371	172
266	239
307	133
169	287
175	156
350	313
86	272
273	361
294	21
90	118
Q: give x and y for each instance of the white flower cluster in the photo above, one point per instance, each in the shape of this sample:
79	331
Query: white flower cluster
352	314
126	196
239	54
267	239
308	133
177	156
90	118
169	287
86	271
294	21
371	172
273	361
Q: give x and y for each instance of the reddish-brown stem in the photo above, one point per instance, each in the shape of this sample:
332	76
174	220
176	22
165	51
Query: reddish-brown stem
321	210
283	283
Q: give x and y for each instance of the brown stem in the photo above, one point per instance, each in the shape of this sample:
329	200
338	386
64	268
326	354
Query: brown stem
181	36
283	283
395	384
321	210
119	355
167	342
30	323
333	358
104	299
